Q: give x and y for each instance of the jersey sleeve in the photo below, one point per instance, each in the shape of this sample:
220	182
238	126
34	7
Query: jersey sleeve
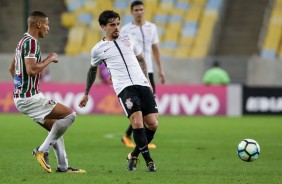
95	59
30	48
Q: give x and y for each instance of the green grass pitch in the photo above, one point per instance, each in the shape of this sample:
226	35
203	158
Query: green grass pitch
196	150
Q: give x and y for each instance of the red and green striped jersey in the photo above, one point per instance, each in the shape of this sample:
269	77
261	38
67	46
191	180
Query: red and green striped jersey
25	85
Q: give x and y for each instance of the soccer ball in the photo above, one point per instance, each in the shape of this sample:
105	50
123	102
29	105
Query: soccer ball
248	150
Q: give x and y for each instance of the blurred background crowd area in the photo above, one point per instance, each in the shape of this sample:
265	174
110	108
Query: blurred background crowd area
230	30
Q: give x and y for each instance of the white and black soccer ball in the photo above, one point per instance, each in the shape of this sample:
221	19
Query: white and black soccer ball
248	150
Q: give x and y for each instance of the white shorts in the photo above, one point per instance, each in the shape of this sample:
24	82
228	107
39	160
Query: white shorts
36	107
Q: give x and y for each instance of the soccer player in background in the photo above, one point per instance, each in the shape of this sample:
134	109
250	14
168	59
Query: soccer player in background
123	57
25	69
147	35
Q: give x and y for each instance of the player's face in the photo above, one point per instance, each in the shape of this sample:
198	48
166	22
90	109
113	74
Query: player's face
138	12
43	26
112	29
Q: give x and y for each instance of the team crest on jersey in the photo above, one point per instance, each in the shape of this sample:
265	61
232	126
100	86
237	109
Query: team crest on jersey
128	103
126	42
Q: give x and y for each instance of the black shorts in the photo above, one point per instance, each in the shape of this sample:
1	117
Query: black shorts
137	98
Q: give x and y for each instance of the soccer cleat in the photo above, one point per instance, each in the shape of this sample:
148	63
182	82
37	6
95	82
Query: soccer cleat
151	167
42	159
152	146
132	162
127	141
71	170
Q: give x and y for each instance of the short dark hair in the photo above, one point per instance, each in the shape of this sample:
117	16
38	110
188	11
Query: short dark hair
106	16
38	14
135	3
216	63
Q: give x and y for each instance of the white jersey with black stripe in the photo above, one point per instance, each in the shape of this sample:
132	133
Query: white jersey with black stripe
120	58
147	36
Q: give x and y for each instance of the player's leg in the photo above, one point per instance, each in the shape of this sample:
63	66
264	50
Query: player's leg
140	138
151	126
56	122
130	101
126	138
61	155
64	116
152	81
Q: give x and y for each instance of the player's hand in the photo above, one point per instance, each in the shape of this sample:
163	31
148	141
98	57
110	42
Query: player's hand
162	77
83	101
53	57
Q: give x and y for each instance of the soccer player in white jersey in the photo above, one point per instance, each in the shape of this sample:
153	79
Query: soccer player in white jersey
147	35
123	57
54	117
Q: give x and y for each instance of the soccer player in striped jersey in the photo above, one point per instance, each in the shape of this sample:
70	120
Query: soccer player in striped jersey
147	35
122	55
54	117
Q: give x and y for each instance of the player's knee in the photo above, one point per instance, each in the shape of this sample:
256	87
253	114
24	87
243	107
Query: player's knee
153	124
72	116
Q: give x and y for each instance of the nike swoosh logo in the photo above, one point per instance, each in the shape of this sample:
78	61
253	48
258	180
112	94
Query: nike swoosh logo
106	50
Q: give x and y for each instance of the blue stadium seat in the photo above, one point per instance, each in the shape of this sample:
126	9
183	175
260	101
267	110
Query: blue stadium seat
268	54
189	29
213	5
85	18
181	5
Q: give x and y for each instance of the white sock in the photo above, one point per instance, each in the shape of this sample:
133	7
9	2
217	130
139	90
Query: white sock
58	129
61	155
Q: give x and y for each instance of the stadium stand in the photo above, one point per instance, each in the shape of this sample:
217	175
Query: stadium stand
185	27
240	28
272	46
13	24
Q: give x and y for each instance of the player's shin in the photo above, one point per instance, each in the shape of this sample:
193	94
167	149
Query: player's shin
57	130
141	143
60	152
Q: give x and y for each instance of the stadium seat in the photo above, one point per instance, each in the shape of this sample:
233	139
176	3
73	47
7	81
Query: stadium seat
75	40
91	37
166	4
189	29
68	19
184	26
121	4
73	5
267	54
126	18
272	44
182	5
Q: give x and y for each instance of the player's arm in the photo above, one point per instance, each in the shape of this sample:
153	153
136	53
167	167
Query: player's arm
143	64
33	68
156	53
12	68
91	76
